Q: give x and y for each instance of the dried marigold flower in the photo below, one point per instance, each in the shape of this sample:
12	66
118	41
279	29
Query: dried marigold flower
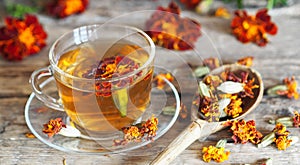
159	79
53	127
280	130
248	28
282	142
191	4
169	30
247	61
137	132
291	91
21	37
296	119
234	108
150	127
215	153
209	107
244	131
222	12
65	8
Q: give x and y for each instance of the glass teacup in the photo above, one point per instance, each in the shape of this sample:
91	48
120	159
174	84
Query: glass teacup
103	75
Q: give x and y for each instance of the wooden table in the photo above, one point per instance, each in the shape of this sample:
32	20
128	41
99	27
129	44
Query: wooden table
279	59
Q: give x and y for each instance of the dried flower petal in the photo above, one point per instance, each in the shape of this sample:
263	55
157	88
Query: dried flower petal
169	30
64	8
222	12
21	37
234	109
159	79
212	63
247	61
291	91
282	142
296	119
137	132
53	127
244	131
248	28
216	153
30	135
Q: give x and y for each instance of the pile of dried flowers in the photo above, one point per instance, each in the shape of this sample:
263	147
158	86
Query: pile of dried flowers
168	29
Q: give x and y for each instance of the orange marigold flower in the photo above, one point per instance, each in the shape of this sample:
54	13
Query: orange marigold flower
64	8
159	79
132	133
191	4
150	127
291	91
296	119
169	30
247	61
248	28
281	137
53	127
222	12
244	131
214	153
21	37
234	108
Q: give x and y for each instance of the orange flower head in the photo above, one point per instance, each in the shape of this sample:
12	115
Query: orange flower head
53	127
247	61
248	28
222	12
244	131
21	37
150	127
214	153
169	30
65	8
282	142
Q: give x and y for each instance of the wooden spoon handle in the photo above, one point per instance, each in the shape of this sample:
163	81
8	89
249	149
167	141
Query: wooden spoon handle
185	139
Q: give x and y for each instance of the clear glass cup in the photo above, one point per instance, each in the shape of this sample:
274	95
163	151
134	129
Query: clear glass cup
103	74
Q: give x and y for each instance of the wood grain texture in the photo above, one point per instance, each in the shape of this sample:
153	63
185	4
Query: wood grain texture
279	59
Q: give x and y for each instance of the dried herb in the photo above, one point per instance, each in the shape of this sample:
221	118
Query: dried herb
169	30
65	8
248	28
216	153
288	89
222	12
244	131
247	61
159	79
20	38
137	132
53	127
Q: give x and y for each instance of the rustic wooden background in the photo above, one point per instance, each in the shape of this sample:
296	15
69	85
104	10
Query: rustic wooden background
279	59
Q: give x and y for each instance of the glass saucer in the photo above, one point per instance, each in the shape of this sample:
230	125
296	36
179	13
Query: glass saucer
37	114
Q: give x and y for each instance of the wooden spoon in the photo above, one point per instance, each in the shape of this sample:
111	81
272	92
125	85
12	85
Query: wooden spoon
201	128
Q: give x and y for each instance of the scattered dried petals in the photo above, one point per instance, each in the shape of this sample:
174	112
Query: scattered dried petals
169	30
291	91
296	119
53	127
216	153
212	63
248	28
21	37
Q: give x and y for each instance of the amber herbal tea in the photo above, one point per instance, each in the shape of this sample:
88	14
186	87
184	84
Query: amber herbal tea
114	94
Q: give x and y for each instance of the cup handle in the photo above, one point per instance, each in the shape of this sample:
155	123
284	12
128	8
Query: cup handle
36	86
